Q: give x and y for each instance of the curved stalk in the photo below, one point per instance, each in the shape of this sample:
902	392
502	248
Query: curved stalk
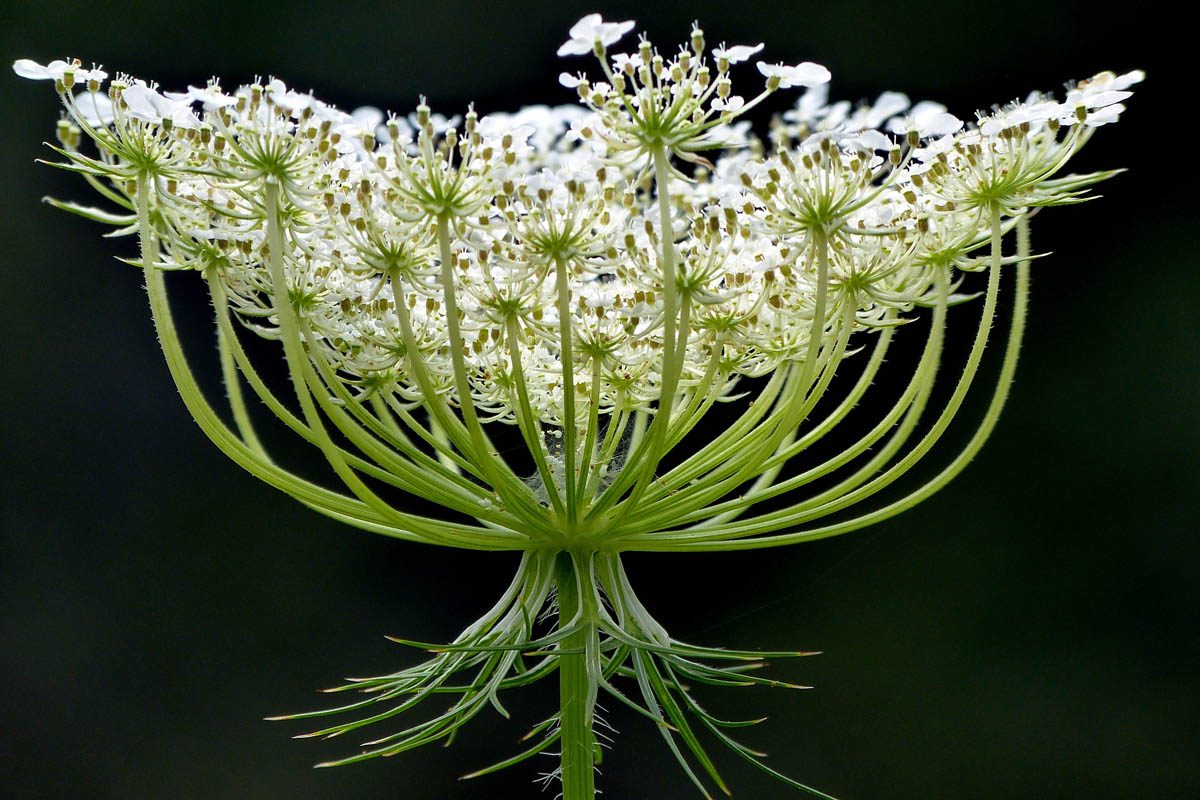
646	457
732	539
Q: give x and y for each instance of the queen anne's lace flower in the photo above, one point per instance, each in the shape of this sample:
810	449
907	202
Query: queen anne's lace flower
583	285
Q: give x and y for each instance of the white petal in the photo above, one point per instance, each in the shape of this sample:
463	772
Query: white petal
738	53
182	117
27	68
1104	116
95	108
211	98
141	101
1122	82
991	126
575	47
769	70
872	140
1102	99
926	108
809	74
888	105
585	28
367	117
610	32
732	103
941	124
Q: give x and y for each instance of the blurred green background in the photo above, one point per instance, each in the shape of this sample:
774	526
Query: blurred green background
1028	633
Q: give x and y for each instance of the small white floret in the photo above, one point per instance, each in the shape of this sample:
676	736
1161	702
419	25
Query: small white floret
56	70
803	74
738	53
148	105
590	30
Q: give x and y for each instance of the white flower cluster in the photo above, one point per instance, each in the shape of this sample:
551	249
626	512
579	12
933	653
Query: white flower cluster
539	260
599	276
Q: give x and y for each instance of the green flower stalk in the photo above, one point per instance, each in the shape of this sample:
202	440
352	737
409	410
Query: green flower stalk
528	320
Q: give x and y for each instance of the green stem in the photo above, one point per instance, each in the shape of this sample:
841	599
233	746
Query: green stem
570	429
646	455
576	694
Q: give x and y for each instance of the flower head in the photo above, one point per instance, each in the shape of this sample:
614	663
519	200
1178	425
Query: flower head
581	286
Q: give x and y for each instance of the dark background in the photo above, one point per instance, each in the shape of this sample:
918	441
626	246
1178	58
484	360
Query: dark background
1029	632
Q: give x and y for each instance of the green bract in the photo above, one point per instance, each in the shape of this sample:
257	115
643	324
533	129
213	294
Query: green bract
578	289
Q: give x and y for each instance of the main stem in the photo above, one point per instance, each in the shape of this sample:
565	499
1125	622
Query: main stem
574	691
